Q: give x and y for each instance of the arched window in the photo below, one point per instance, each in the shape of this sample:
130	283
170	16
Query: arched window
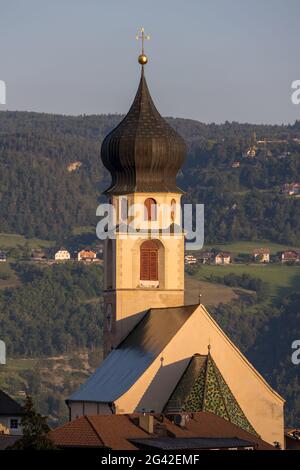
150	209
149	261
173	210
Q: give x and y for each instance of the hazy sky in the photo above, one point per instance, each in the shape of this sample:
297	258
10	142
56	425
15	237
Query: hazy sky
211	60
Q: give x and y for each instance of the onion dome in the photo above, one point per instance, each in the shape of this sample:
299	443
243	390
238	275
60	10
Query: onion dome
143	153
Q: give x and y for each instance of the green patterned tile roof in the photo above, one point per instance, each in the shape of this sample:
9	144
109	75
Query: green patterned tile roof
203	388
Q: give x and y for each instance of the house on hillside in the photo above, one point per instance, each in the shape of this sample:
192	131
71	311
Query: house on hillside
38	255
3	257
10	414
205	257
290	256
74	166
62	255
261	255
86	255
250	152
291	189
223	257
190	259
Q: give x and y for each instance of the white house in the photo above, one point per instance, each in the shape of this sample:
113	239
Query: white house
62	255
86	255
262	255
10	414
190	259
222	258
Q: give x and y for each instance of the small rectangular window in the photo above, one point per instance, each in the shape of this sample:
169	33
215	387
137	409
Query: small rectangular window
14	424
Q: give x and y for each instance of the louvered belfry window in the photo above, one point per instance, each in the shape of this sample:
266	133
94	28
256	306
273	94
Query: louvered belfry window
150	209
149	261
173	210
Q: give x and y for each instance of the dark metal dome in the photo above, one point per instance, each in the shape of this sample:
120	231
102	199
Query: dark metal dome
143	153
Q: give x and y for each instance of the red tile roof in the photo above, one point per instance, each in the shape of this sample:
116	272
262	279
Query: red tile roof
88	253
290	255
116	431
261	251
77	433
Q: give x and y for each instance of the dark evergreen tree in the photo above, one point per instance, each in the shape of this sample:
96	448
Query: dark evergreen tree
35	430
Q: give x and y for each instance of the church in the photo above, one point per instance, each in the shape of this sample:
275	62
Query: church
161	355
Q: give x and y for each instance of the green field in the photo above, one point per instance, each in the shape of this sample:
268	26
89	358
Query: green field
248	247
83	229
11	240
20	364
8	242
282	279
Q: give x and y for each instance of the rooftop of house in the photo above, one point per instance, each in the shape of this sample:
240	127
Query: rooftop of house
8	406
223	254
124	432
261	251
290	253
205	253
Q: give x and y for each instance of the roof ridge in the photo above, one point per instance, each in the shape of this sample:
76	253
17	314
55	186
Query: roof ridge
135	326
175	306
94	429
145	312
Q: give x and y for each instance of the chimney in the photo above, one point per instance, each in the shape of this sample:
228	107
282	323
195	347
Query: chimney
146	422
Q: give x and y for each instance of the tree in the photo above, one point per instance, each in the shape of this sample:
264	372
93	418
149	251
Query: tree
35	430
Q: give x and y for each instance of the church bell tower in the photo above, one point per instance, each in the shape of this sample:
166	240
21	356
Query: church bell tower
144	267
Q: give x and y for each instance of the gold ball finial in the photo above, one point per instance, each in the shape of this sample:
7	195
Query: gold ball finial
143	59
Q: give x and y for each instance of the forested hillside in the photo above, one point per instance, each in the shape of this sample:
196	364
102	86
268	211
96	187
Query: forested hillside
56	310
51	179
42	195
265	333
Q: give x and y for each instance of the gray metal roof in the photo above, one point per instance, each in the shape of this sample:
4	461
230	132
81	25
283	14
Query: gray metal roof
9	407
192	443
125	364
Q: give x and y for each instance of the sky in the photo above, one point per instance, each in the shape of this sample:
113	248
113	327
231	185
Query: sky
209	60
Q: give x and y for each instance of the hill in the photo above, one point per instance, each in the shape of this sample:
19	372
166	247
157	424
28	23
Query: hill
52	177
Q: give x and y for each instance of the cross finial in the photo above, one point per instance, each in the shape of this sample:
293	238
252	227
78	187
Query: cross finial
143	59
